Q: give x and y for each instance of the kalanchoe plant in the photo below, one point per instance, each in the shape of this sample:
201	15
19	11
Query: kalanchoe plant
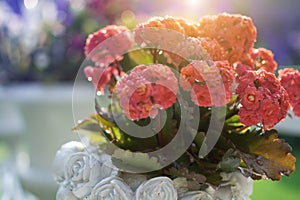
171	74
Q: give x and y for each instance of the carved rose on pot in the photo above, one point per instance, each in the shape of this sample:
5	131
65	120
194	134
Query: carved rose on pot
159	188
111	188
197	195
82	170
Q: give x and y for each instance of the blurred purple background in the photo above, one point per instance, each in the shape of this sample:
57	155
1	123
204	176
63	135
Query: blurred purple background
42	40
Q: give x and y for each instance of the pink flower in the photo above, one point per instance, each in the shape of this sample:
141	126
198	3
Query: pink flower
296	109
108	44
290	80
201	96
241	69
245	78
264	59
146	90
100	77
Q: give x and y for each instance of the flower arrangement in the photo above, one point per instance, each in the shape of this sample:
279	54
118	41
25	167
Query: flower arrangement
189	99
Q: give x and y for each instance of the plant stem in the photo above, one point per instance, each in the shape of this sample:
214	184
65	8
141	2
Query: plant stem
161	140
154	53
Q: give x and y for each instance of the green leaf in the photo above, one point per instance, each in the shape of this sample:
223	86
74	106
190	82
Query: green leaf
134	161
96	137
214	178
200	136
230	161
141	57
264	154
90	127
184	172
194	180
90	124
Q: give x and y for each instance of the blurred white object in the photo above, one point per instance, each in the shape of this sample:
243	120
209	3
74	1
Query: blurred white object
47	119
11	131
10	186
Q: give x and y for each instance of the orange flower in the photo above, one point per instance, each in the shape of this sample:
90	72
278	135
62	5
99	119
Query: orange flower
193	48
213	48
190	29
159	32
208	82
236	33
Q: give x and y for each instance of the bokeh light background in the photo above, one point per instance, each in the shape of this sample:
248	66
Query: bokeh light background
41	42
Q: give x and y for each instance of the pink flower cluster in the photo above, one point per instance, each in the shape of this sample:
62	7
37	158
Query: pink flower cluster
263	99
210	85
100	76
146	90
260	58
290	80
108	44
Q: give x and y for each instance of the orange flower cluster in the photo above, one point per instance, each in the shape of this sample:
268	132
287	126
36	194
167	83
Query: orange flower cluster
176	24
235	33
224	37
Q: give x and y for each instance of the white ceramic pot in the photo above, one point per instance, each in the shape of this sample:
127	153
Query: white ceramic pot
84	174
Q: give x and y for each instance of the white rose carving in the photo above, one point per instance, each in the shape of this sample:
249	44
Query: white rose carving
111	188
197	195
65	194
91	176
62	156
82	170
159	188
236	187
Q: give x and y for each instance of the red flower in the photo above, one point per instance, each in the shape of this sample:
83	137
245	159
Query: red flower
201	96
251	98
249	117
108	44
260	92
270	113
100	77
146	90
